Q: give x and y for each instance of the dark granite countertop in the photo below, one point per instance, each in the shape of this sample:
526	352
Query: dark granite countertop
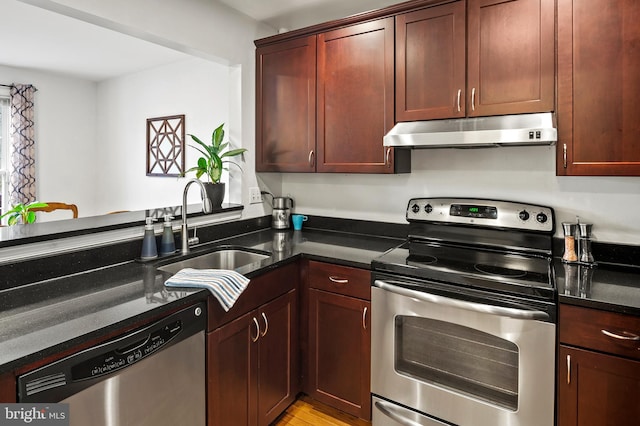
49	317
607	287
53	315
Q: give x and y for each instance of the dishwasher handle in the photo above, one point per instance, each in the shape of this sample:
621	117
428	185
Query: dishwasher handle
520	314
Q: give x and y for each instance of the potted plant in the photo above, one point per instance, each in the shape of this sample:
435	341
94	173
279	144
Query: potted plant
23	213
212	163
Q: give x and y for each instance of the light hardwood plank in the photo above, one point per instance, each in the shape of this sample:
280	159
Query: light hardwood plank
308	412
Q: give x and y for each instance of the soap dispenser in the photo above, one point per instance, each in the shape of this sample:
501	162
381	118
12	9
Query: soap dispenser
149	247
168	242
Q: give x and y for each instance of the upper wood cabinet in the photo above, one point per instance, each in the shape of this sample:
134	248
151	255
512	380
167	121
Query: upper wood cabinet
430	63
328	113
598	87
286	106
355	98
508	66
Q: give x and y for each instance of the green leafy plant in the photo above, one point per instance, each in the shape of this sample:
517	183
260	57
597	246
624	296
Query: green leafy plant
23	213
214	156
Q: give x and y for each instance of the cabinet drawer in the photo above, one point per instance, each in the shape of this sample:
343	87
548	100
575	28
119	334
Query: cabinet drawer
340	279
610	332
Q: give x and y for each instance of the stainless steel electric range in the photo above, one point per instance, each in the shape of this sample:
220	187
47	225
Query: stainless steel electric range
464	317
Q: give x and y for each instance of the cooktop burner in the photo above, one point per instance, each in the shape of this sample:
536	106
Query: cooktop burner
499	271
509	272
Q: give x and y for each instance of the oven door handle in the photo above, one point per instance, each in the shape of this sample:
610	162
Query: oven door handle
402	416
514	313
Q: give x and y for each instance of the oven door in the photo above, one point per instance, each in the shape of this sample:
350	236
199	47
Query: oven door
458	358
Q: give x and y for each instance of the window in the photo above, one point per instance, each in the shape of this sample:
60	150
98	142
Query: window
4	147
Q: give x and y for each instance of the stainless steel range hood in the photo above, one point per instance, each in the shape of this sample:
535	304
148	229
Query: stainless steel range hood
505	130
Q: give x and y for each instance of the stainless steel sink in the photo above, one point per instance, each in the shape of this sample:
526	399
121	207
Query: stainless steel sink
229	258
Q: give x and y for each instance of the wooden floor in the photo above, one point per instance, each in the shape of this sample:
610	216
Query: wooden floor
307	412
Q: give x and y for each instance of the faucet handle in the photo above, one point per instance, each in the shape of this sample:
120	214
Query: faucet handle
194	240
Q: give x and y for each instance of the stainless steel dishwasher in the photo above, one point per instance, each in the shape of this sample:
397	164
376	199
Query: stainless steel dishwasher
151	376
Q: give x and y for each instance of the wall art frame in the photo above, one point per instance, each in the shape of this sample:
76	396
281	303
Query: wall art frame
166	146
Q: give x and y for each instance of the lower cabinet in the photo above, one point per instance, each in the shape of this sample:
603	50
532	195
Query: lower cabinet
339	338
253	365
598	368
597	389
7	388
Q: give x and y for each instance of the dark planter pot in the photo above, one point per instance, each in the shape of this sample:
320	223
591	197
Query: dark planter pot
215	192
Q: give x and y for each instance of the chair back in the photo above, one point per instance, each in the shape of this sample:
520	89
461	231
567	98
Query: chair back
51	206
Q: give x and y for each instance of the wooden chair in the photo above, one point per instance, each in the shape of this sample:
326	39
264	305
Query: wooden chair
51	206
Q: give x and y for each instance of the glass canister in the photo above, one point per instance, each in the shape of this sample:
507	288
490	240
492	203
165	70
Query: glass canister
570	253
586	256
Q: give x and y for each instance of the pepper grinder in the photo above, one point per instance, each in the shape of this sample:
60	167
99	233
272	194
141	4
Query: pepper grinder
570	254
585	243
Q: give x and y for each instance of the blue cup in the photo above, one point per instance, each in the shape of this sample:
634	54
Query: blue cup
297	220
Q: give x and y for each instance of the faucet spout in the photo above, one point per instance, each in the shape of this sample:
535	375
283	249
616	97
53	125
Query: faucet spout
206	208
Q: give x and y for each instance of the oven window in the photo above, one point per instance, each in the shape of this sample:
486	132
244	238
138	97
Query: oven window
459	358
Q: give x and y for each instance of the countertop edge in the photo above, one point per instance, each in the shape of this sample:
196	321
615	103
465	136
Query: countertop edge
598	304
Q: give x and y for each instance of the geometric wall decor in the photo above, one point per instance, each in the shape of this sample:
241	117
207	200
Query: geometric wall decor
165	146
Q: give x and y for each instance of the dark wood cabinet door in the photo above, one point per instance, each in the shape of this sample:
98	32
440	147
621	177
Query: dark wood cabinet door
510	56
339	352
355	98
286	106
232	373
431	63
278	383
598	87
8	388
596	389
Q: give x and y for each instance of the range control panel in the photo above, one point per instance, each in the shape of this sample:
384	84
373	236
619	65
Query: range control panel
481	212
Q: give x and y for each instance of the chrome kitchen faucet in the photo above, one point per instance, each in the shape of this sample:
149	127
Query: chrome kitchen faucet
206	208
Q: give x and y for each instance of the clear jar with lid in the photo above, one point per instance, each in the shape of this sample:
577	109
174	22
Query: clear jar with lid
570	253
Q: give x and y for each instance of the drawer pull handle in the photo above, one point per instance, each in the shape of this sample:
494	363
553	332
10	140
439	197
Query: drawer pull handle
459	93
255	339
624	336
338	280
266	325
568	369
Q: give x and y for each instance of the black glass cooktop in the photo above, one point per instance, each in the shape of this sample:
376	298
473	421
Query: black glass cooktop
473	267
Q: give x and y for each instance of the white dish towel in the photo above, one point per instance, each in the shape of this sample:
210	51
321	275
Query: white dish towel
225	285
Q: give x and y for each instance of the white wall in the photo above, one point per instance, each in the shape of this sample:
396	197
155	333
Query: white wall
65	142
524	174
210	29
195	87
203	28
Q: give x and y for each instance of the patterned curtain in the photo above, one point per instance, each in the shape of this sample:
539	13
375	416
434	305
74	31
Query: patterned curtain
22	149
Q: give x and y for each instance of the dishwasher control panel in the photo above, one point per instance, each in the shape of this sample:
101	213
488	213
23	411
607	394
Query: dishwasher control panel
121	357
